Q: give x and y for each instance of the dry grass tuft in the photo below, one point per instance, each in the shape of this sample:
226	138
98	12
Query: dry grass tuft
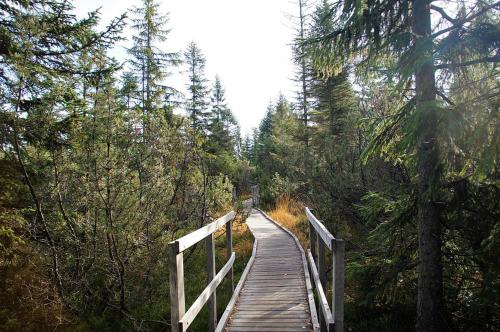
290	214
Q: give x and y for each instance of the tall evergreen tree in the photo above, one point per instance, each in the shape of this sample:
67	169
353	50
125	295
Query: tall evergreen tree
223	128
150	64
371	31
196	104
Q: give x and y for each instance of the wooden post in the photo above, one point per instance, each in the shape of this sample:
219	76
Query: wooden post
313	237
234	196
177	300
229	249
338	285
212	301
322	262
322	276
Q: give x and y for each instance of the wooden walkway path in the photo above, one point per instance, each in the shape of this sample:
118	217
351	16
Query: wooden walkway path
276	294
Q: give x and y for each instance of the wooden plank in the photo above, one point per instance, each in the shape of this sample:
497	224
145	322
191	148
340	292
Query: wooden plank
195	308
201	233
322	263
229	250
266	314
338	285
272	301
313	239
269	329
275	292
297	286
323	303
278	317
310	294
266	324
323	233
212	300
232	302
257	297
176	278
272	308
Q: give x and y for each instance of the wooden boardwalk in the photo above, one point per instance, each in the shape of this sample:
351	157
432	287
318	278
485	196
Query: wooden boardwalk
276	294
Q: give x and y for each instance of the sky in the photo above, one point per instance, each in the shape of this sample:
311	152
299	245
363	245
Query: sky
247	43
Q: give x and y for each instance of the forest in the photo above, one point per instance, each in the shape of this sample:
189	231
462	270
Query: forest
392	137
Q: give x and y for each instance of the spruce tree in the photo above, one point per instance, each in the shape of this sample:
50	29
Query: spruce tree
223	129
150	64
196	103
366	33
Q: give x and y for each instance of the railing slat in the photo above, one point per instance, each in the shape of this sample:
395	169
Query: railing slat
338	285
313	239
190	315
323	302
198	235
229	249
317	230
212	300
176	277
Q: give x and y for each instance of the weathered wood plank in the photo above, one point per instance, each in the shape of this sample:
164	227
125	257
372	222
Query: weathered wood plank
232	302
176	278
266	324
269	329
198	235
229	250
267	314
195	308
274	294
321	230
338	285
323	303
212	300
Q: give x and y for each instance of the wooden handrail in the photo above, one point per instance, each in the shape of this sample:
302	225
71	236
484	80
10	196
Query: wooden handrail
192	238
180	319
320	239
326	236
196	307
324	307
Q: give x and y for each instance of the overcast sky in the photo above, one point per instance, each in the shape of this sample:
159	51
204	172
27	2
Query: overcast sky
246	42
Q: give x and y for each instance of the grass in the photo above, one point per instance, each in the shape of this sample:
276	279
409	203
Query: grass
289	213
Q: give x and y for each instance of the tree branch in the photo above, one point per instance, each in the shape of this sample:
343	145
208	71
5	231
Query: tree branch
443	14
492	59
459	23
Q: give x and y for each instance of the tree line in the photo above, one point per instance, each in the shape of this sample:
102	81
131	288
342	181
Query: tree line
393	140
100	168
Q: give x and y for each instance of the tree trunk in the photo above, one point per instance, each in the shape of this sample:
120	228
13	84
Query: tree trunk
430	279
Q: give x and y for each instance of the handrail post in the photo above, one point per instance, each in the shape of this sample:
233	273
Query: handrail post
313	238
322	276
212	301
229	249
176	277
338	285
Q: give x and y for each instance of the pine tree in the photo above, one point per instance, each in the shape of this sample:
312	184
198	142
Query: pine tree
223	128
149	63
367	32
196	104
304	71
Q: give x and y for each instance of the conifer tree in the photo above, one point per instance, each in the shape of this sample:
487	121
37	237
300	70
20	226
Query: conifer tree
150	64
196	103
223	129
366	33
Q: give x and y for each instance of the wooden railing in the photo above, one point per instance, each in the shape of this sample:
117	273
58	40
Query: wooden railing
321	239
180	318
